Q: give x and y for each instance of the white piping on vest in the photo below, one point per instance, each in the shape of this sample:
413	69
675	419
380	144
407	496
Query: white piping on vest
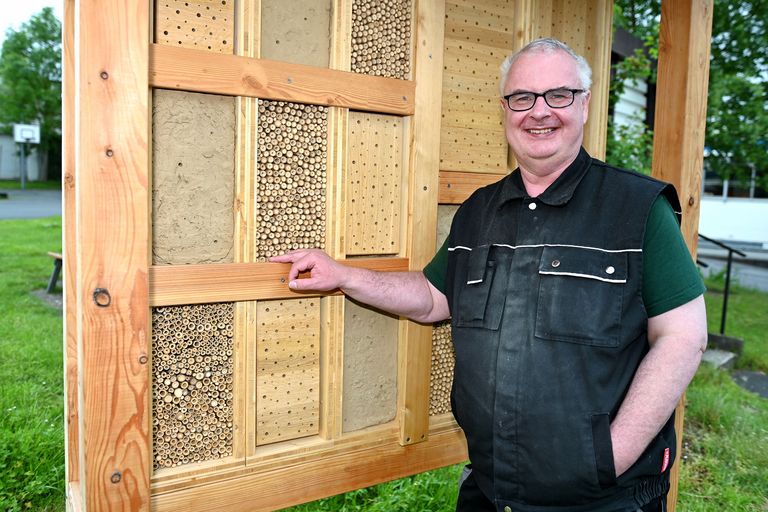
534	246
588	276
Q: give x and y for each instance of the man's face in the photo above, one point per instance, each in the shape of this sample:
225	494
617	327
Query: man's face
545	139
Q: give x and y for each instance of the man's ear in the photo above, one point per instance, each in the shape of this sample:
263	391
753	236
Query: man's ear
585	105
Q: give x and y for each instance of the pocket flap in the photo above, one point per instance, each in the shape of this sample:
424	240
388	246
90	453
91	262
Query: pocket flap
609	267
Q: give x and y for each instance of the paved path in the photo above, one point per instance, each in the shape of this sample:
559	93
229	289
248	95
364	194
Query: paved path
29	204
756	382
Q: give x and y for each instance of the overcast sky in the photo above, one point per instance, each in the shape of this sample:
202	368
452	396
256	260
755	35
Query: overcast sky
15	12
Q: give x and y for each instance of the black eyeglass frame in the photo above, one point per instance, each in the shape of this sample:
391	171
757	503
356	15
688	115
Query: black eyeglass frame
537	95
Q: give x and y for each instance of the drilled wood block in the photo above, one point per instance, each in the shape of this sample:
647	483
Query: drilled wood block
478	37
287	369
381	37
374	184
192	383
199	24
441	373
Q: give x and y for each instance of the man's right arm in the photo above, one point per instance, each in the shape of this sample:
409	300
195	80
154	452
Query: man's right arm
407	294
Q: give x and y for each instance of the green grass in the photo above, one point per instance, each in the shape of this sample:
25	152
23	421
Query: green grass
726	447
726	427
31	394
747	319
31	185
725	465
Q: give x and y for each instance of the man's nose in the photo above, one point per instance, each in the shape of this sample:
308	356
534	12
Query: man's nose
540	107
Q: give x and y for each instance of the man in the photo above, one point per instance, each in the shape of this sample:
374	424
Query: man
577	313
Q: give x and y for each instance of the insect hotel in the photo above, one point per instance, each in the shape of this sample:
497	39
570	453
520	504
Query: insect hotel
203	137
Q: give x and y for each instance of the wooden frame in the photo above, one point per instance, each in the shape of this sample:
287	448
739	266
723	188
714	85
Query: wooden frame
108	112
110	284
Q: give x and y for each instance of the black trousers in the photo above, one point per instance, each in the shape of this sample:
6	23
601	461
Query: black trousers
472	499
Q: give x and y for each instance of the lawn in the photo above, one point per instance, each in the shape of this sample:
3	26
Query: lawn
31	185
725	465
31	395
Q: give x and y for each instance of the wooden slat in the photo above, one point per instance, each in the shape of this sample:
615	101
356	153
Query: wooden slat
332	308
200	284
69	236
74	496
111	130
678	142
200	71
246	147
414	351
456	187
338	469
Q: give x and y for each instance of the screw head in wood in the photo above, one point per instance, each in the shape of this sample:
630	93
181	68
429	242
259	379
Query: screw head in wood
116	477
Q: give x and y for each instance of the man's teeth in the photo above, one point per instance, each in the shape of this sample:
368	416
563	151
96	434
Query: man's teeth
539	132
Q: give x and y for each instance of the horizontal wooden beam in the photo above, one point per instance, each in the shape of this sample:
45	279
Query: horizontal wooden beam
313	476
227	282
455	187
186	69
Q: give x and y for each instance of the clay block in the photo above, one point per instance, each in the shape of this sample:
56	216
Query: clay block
370	367
193	160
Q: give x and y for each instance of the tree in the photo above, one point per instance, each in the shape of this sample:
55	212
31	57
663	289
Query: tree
30	84
631	146
737	111
736	138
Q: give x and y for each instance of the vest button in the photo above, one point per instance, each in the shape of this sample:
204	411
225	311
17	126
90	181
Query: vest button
555	263
531	206
610	270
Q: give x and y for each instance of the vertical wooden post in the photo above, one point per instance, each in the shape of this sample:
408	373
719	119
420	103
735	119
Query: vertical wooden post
681	112
69	281
597	50
416	347
112	246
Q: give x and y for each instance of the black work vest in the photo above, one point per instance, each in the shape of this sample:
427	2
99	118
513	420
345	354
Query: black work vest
549	329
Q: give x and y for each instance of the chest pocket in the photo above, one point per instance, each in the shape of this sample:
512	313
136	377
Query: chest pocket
580	295
481	292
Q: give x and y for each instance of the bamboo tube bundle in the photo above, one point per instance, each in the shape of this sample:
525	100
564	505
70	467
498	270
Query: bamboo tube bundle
441	374
192	383
292	180
381	37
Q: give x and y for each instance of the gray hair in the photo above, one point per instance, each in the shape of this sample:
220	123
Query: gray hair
548	45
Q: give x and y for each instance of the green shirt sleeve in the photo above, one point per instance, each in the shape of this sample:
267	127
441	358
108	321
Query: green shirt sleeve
436	269
670	276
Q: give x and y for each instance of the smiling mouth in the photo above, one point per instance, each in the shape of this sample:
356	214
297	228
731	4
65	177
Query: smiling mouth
541	131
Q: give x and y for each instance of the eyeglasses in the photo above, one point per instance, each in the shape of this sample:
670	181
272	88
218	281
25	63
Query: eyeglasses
555	98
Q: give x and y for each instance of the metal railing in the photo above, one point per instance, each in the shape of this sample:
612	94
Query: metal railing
728	267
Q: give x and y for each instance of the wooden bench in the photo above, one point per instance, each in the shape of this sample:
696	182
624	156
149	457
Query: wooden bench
57	261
